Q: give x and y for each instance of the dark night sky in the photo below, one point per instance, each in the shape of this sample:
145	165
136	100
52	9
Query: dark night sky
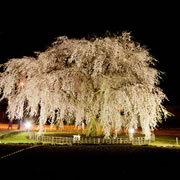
31	28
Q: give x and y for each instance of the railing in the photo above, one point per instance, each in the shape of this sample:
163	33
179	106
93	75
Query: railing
89	140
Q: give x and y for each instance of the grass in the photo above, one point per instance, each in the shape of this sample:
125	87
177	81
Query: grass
58	133
165	141
17	138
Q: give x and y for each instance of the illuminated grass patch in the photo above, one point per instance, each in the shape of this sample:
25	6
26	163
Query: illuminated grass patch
17	138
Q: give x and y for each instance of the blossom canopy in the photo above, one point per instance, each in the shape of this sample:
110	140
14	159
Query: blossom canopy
112	79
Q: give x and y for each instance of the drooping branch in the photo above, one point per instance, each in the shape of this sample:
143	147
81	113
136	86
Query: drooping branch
111	78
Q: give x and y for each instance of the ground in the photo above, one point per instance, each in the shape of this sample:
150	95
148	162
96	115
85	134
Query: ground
91	161
79	161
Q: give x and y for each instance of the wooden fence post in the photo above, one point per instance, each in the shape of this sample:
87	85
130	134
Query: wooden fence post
177	143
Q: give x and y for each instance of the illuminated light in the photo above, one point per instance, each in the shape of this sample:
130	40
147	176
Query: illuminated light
131	131
27	125
131	134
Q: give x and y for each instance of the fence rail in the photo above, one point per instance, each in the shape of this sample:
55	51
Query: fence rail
89	140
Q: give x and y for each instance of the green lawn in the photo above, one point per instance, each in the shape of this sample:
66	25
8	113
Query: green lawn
22	138
17	138
165	141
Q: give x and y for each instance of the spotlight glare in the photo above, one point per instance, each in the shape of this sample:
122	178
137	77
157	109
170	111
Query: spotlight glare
131	131
28	125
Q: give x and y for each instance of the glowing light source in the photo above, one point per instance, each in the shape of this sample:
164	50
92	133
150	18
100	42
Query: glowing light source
131	131
27	125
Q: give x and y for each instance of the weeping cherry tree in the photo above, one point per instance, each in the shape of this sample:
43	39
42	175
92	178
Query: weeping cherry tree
111	79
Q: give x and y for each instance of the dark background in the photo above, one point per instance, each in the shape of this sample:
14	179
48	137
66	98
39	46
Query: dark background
26	28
